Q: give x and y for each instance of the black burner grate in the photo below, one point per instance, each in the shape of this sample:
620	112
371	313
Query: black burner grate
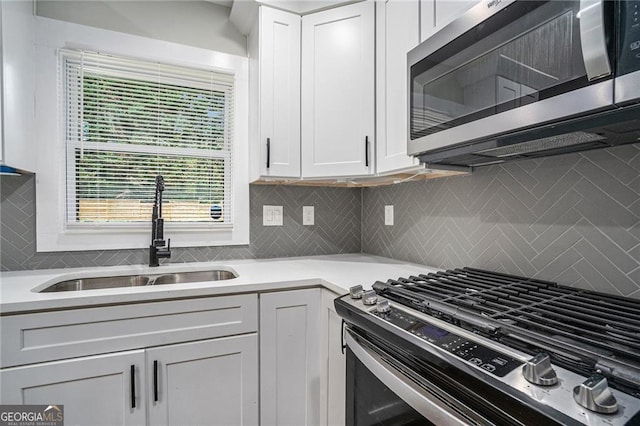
577	326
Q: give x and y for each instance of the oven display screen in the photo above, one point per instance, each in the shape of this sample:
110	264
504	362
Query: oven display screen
431	331
474	353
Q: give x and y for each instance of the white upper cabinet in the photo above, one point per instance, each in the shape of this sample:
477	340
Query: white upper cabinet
438	13
279	93
17	109
397	32
338	92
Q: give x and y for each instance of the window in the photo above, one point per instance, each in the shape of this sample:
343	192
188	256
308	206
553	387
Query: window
109	122
129	120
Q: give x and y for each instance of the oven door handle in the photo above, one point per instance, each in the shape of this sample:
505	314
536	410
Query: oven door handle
592	39
410	392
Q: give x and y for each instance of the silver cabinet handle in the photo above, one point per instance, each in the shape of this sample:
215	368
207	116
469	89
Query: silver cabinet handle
592	39
415	396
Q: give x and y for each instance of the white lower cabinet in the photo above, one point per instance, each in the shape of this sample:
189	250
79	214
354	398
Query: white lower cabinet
97	390
213	382
162	371
179	362
290	358
333	379
301	366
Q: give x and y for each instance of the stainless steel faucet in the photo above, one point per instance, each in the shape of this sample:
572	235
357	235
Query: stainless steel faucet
158	248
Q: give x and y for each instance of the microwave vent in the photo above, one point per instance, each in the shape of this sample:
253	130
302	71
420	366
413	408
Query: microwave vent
543	144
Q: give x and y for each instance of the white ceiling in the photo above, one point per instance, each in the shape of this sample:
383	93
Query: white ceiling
225	3
296	6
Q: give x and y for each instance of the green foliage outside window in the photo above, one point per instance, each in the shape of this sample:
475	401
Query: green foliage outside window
148	116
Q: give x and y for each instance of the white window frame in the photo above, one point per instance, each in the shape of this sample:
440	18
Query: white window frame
74	143
53	233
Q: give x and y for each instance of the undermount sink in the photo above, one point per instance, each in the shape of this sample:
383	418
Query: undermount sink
80	284
193	277
97	283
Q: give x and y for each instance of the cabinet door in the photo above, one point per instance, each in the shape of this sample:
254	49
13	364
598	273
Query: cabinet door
279	93
17	141
212	382
332	395
338	91
397	32
435	14
94	390
290	370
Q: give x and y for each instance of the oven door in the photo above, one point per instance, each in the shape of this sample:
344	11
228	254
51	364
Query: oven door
390	385
379	393
509	65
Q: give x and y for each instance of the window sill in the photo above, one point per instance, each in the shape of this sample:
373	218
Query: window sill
136	238
146	227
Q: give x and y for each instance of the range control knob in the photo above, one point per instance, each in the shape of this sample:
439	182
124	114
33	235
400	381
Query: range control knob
538	370
355	292
383	306
594	394
369	297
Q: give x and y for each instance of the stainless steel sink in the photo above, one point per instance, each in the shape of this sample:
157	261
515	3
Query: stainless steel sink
97	283
193	277
138	280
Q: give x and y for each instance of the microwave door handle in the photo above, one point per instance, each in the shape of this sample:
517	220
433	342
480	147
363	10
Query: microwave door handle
592	39
410	392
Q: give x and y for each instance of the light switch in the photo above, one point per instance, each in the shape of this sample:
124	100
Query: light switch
308	215
272	215
388	215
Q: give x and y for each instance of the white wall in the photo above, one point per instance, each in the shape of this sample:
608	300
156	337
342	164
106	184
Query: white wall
194	23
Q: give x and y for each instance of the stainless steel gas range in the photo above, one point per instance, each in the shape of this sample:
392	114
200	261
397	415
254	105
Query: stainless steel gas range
468	346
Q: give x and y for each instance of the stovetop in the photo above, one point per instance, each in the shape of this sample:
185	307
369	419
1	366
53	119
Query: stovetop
582	330
572	346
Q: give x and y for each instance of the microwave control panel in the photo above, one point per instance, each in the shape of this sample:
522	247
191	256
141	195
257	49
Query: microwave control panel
629	50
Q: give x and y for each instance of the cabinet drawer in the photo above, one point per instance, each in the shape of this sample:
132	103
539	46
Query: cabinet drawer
39	337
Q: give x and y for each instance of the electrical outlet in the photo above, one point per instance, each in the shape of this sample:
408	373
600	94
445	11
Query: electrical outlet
272	215
308	215
388	215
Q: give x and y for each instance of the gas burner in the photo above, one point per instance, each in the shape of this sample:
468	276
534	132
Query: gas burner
571	324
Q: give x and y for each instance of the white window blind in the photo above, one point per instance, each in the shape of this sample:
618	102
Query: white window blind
129	120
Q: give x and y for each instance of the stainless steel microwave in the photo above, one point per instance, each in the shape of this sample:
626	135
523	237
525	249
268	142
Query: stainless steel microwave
514	79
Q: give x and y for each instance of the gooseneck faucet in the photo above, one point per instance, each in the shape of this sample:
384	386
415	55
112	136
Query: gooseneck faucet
158	249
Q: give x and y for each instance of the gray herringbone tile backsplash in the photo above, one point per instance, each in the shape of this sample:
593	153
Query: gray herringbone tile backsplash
574	219
336	229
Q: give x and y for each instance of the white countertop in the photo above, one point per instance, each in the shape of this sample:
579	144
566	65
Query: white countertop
19	289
